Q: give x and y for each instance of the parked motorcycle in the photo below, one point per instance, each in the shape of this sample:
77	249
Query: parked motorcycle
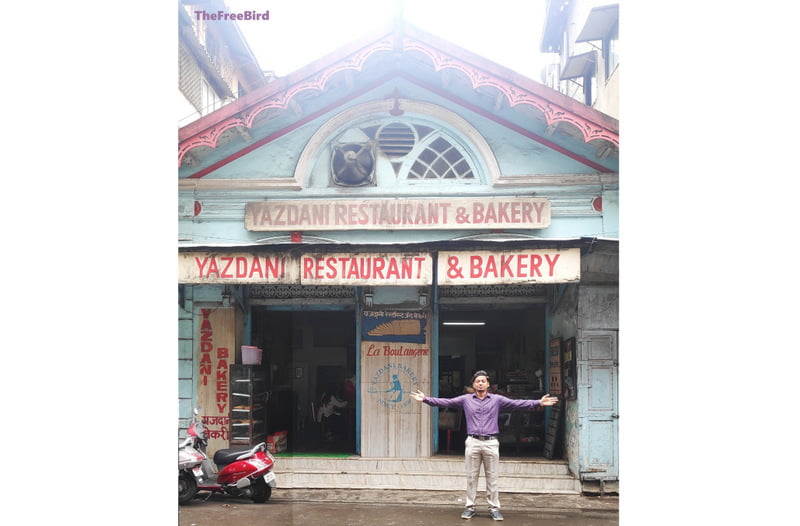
188	459
240	473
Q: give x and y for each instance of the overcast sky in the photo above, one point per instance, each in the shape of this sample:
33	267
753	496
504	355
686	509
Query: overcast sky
299	32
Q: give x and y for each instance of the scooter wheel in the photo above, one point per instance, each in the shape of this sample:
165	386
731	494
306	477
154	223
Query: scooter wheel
261	491
187	487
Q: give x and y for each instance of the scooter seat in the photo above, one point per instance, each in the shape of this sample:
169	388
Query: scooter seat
227	456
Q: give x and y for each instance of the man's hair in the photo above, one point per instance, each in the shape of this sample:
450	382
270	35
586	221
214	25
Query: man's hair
480	373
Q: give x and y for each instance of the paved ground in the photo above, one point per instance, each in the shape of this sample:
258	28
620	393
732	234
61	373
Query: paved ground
399	508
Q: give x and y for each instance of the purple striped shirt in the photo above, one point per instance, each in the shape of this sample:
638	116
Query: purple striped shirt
482	414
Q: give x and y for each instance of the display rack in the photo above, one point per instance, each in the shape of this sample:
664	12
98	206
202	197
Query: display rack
248	404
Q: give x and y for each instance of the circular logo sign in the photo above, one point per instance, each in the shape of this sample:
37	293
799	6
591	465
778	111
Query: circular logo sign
392	385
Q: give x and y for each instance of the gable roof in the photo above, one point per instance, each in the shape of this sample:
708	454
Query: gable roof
368	64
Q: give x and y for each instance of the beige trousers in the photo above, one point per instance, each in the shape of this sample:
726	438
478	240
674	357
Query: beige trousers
486	452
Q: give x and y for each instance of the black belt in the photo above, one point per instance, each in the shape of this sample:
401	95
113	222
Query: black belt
484	437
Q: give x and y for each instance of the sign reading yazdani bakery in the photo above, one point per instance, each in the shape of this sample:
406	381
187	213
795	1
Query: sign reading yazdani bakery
398	214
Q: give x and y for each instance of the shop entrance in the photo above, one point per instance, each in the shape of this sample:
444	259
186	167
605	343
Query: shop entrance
510	344
309	356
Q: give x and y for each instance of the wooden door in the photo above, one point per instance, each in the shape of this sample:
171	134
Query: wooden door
598	405
395	360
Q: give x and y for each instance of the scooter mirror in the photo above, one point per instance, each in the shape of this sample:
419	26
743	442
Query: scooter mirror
197	410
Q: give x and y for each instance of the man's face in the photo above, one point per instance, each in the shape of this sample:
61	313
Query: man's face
481	383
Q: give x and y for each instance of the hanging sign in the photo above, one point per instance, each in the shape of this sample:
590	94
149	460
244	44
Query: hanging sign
398	214
216	353
509	267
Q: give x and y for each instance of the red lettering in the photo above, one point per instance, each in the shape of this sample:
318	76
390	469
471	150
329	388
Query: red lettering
212	268
552	262
200	265
255	268
505	266
539	208
393	271
340	214
222	352
331	262
278	220
378	270
477	213
536	262
308	268
475	266
266	219
226	272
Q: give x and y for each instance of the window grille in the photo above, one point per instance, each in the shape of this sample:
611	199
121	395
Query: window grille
440	160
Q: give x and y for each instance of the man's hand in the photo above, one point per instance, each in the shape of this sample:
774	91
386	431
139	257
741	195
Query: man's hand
549	400
418	395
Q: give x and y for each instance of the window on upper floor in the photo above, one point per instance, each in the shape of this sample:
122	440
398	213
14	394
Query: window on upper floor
611	50
421	153
208	98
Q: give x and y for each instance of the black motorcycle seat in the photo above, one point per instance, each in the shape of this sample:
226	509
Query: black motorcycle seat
227	456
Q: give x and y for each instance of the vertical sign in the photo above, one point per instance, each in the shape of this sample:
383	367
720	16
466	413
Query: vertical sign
217	352
555	366
395	361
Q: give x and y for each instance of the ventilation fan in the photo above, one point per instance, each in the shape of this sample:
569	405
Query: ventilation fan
353	164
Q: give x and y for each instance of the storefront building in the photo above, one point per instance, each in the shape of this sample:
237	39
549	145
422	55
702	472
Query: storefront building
393	217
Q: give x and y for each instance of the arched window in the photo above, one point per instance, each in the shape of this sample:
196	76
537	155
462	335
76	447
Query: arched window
424	145
420	152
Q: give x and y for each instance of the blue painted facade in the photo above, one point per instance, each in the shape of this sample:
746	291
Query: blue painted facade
512	138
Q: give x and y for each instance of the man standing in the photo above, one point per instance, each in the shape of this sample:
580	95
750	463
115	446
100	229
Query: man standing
481	409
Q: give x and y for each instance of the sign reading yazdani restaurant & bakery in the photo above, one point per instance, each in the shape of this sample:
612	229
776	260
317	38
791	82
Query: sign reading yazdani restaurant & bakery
398	214
392	269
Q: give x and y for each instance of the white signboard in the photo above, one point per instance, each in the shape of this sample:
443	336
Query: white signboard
508	267
308	269
398	214
238	267
480	267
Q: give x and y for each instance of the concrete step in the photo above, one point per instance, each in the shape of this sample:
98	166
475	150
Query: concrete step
436	473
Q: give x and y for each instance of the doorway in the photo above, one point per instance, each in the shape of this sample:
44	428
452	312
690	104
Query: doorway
308	354
510	344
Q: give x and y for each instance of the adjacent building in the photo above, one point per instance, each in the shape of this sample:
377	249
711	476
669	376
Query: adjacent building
215	63
584	35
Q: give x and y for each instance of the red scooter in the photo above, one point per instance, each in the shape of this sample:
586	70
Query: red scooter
240	473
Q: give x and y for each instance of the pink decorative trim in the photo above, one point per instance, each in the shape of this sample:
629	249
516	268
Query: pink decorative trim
513	93
281	100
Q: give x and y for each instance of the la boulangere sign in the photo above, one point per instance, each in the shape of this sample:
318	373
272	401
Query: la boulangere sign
354	269
398	214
